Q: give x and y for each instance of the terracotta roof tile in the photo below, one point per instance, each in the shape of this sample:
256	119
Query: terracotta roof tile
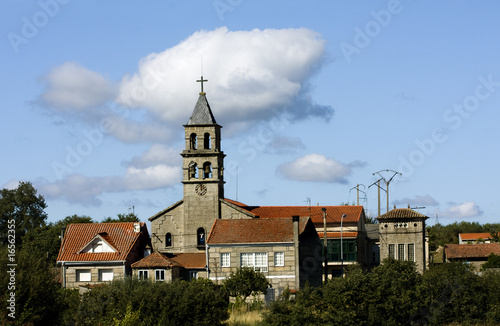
337	235
333	213
259	230
190	260
479	250
155	260
120	235
474	236
402	213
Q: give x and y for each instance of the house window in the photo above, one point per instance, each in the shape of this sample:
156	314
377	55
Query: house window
193	275
392	251
83	275
105	275
143	274
279	259
225	259
349	248
255	260
411	252
401	252
168	240
200	237
160	275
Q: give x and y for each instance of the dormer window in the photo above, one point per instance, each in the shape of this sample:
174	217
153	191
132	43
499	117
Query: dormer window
98	245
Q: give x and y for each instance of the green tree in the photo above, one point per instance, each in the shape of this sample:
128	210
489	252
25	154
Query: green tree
23	206
493	262
130	217
245	282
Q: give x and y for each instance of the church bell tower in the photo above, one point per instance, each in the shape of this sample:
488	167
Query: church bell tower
203	167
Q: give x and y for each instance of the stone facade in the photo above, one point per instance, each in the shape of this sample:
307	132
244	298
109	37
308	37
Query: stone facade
73	275
403	236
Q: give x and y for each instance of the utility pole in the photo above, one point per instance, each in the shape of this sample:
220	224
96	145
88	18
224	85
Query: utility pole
357	192
378	186
387	182
325	245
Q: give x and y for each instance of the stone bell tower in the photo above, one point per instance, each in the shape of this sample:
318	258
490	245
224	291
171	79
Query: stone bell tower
203	167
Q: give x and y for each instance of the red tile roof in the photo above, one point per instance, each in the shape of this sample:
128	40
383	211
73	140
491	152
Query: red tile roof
337	235
333	213
155	260
479	250
474	236
120	235
402	213
259	230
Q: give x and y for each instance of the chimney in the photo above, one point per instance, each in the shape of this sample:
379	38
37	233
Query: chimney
295	220
137	227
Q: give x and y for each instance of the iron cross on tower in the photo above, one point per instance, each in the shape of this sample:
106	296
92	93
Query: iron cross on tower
201	81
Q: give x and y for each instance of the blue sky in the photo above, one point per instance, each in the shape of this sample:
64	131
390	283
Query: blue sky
314	98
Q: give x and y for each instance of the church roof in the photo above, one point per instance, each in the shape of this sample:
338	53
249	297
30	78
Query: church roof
333	213
202	114
122	236
254	230
402	213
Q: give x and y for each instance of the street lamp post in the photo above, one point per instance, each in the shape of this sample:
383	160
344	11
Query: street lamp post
341	248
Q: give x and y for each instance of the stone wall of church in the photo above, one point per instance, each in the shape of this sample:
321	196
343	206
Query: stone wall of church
171	222
280	277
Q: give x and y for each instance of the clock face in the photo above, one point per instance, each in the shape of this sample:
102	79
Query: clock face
201	189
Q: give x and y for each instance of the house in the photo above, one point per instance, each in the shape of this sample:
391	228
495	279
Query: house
474	254
467	238
403	236
160	267
286	250
92	253
345	229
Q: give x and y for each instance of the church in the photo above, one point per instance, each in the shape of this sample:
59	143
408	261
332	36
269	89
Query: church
217	235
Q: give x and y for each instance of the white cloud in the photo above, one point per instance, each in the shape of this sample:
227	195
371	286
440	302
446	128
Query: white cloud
71	87
425	200
249	73
316	168
463	210
153	169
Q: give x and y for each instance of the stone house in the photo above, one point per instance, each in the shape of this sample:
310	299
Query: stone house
286	250
402	236
92	253
473	254
160	267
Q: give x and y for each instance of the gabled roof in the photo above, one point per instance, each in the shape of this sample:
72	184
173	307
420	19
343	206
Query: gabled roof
402	213
121	235
333	213
254	230
479	250
474	236
155	260
202	114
